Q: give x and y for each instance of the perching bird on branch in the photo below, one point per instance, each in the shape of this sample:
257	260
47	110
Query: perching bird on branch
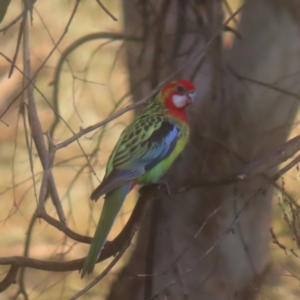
145	151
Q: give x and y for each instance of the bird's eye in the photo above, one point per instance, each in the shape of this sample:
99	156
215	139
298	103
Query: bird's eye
180	89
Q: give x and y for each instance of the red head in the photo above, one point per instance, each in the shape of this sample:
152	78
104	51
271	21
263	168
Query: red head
177	95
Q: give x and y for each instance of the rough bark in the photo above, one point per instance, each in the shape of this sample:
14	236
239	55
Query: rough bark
232	121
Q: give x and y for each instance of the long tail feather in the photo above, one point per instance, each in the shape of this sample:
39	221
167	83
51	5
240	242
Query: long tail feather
112	205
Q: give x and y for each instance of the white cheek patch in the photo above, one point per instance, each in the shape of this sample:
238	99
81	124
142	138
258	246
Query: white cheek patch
179	100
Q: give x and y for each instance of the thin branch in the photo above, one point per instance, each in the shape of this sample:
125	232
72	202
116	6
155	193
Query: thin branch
31	81
286	168
20	34
103	274
101	123
268	85
42	214
29	150
242	172
67	52
13	22
26	77
110	249
35	124
106	10
10	277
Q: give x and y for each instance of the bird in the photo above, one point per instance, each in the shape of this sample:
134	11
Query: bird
144	152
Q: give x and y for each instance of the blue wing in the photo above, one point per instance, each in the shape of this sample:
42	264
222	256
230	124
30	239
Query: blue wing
164	141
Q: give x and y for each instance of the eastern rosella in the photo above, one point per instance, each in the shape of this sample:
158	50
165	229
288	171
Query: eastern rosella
145	151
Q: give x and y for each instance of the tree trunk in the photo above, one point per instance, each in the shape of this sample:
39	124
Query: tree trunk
233	121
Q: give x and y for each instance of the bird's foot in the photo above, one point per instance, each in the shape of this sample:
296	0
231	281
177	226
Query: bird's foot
166	185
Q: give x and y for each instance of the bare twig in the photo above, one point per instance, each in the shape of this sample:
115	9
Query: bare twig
268	85
106	10
243	172
67	52
36	127
42	214
101	123
29	149
47	177
21	29
13	22
286	168
110	249
103	274
46	59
